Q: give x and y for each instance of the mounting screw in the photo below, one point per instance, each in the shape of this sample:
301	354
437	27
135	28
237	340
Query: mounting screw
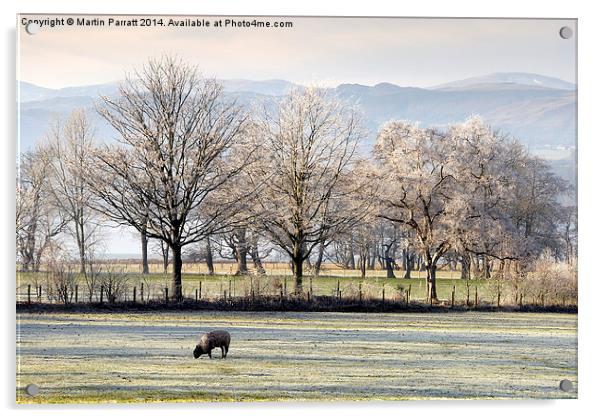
566	385
32	389
566	32
32	28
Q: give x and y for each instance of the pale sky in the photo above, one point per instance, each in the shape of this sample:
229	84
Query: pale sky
329	51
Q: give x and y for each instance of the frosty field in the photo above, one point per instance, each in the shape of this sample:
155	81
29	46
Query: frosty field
295	356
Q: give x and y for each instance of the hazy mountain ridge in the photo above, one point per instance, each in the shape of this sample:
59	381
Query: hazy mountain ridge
540	113
522	79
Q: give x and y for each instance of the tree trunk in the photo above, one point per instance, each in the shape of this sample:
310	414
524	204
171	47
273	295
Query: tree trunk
351	257
363	261
254	253
240	252
177	272
241	262
431	274
372	262
297	260
453	263
318	264
209	258
487	267
474	267
465	262
409	265
165	255
81	244
144	242
389	267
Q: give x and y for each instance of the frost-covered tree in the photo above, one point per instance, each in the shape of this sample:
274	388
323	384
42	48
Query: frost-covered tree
417	168
173	172
308	145
469	190
485	179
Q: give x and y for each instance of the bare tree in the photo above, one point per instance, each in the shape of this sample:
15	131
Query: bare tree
171	173
309	144
71	147
114	284
237	248
161	248
38	220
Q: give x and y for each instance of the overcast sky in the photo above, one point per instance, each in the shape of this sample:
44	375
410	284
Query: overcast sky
328	51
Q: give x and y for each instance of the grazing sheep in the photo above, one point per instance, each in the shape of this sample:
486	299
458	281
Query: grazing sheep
211	340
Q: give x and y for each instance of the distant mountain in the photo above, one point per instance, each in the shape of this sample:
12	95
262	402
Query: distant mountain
30	92
538	116
502	80
539	110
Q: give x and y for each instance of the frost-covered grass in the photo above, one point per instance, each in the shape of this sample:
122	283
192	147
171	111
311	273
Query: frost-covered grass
296	356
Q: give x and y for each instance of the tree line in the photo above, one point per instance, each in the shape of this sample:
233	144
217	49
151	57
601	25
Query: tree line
197	173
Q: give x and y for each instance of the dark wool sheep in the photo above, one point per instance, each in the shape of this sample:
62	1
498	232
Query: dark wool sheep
212	340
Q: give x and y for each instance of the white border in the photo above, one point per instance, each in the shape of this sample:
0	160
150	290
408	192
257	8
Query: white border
589	74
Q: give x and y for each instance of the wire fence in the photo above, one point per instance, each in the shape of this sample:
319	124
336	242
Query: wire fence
129	287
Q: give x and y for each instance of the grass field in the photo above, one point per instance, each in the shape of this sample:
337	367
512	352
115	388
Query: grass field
296	356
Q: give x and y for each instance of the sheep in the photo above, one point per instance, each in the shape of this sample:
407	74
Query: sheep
211	340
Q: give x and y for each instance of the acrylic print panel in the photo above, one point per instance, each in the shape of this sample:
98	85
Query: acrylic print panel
215	208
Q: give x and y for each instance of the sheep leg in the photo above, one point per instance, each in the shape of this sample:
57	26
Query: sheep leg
223	351
210	354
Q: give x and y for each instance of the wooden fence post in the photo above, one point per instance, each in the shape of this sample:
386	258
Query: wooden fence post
499	296
453	296
196	294
40	294
102	290
339	289
520	301
476	296
285	286
360	293
76	292
409	292
311	285
229	289
134	295
166	295
308	297
383	294
200	289
141	291
29	294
